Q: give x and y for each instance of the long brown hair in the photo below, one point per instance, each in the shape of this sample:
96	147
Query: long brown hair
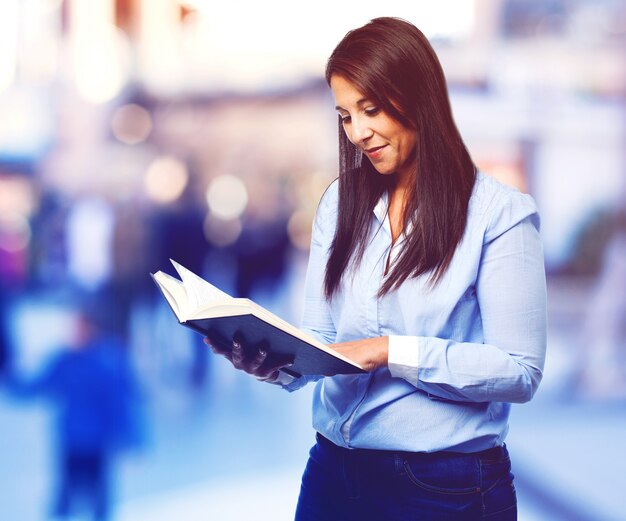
393	64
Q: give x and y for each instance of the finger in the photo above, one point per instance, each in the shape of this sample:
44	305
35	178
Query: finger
237	354
216	343
211	343
268	378
225	353
258	360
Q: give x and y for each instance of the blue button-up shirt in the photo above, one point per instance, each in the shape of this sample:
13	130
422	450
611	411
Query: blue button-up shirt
459	353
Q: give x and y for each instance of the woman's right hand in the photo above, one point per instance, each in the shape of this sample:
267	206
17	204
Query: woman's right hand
255	362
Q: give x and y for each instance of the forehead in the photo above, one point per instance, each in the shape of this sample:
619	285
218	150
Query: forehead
346	94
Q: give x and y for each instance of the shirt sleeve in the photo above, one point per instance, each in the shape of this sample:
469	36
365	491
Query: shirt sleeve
403	357
283	379
511	293
316	318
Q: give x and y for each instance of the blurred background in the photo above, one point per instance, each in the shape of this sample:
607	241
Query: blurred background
134	131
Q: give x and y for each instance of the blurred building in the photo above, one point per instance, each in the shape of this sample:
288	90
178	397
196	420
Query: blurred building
134	131
132	100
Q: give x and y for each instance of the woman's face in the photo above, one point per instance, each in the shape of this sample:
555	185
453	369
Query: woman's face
389	145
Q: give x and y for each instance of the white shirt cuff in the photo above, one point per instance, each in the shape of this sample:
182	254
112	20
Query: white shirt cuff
282	379
403	358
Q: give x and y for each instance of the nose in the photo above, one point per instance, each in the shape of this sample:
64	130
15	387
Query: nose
360	130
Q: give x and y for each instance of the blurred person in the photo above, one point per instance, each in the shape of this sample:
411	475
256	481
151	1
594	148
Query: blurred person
95	396
88	233
13	280
5	348
49	244
430	275
600	370
261	250
132	248
178	233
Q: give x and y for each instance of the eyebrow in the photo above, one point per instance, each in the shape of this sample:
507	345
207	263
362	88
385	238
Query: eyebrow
360	102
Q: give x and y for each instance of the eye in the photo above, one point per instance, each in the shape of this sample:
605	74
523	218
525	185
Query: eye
372	111
344	118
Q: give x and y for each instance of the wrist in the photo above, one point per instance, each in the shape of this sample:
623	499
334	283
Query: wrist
269	379
278	378
384	352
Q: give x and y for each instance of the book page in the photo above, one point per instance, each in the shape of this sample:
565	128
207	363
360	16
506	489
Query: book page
199	292
173	291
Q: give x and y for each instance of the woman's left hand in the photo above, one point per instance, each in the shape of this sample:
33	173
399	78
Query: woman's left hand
369	353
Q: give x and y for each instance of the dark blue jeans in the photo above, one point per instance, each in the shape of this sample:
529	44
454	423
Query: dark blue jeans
361	485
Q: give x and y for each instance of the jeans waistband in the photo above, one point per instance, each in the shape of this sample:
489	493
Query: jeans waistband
494	453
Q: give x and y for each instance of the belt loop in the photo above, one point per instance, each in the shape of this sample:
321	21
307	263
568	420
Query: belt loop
398	462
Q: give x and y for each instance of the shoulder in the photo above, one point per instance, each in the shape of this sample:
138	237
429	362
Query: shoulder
330	198
496	207
327	209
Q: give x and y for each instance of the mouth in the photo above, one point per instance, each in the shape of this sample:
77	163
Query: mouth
374	152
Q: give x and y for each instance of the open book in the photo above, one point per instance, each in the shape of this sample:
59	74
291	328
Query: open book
202	307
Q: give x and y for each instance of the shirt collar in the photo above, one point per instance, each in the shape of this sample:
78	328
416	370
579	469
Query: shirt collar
380	210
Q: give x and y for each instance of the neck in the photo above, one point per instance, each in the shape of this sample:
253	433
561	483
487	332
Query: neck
402	186
404	177
398	197
397	203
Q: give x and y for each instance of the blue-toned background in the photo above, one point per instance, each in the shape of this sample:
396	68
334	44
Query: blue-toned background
134	131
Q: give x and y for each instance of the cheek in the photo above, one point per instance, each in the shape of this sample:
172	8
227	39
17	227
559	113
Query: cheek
408	144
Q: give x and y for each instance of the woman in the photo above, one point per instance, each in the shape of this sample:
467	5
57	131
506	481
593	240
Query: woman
428	274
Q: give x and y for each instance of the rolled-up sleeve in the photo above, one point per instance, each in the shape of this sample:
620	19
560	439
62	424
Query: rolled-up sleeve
511	293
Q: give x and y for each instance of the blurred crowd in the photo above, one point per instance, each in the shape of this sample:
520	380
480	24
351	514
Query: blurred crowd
100	188
86	252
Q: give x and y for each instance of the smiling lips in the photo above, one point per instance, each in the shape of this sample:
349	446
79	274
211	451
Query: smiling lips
375	152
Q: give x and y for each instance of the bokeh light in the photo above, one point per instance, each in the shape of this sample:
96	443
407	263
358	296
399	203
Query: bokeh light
8	42
299	229
166	179
17	196
221	232
131	124
227	197
15	232
100	52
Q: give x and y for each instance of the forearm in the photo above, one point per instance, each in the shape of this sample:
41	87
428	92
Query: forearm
465	371
369	353
459	371
502	358
25	389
